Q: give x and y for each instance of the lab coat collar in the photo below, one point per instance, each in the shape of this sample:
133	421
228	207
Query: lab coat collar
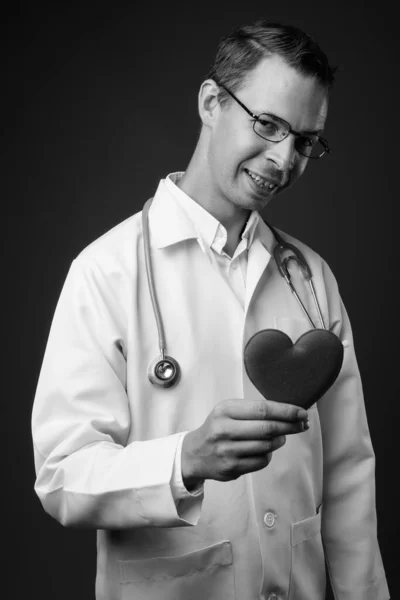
169	223
206	225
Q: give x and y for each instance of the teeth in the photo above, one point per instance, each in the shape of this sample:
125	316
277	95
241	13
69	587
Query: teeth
260	181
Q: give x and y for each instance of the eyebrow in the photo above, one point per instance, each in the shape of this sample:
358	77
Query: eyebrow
315	132
307	132
260	113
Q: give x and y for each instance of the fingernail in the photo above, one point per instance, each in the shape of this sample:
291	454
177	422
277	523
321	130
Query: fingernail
306	424
302	414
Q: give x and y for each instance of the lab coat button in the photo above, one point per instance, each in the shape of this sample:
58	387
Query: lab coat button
269	519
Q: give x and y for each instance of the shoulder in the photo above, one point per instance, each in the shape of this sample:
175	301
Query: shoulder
318	265
303	247
115	248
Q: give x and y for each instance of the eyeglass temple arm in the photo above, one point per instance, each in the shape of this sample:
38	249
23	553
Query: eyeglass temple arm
239	102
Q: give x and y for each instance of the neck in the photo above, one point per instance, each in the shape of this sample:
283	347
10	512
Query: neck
197	184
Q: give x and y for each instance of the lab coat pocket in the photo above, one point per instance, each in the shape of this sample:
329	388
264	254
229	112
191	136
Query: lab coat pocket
205	573
307	577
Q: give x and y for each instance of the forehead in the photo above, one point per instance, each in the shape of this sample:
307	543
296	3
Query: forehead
275	87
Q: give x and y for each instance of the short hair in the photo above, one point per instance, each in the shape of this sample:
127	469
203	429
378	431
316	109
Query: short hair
240	52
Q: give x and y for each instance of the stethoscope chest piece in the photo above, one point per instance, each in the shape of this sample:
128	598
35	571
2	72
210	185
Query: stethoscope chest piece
164	371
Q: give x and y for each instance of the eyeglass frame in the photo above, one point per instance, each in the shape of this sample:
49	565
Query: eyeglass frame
257	119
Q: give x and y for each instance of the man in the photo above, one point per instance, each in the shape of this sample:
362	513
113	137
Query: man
195	490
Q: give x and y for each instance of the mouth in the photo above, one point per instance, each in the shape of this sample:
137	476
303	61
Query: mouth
261	182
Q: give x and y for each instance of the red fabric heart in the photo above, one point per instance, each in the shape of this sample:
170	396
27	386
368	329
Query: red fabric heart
297	373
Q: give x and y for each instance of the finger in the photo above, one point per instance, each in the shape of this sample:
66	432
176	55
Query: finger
262	409
261	430
256	448
236	465
256	462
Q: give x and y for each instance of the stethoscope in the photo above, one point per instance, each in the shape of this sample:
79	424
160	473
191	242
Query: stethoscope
164	371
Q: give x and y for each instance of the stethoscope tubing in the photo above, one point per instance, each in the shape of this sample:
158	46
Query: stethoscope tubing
164	370
150	279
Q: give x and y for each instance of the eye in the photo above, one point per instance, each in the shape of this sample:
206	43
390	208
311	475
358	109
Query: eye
307	141
267	127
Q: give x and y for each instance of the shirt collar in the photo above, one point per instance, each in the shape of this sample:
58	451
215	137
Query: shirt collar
206	225
176	217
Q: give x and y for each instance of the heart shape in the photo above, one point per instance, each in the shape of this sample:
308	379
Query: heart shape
297	373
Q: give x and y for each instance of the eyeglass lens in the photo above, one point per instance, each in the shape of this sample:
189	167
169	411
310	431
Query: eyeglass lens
274	131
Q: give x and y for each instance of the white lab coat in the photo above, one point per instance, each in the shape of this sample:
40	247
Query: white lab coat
105	438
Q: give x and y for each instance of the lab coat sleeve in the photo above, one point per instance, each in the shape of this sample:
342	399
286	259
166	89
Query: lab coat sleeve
187	503
87	473
349	522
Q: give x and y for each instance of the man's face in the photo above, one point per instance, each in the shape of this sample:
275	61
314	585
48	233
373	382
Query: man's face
236	152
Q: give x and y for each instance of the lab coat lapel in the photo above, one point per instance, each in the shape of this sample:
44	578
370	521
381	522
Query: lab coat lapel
258	259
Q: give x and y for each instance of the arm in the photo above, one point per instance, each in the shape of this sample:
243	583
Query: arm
349	523
87	472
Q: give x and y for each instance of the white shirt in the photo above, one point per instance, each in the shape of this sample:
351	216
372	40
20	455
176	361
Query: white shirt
213	237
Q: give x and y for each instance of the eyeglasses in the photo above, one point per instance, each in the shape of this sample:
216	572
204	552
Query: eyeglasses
274	129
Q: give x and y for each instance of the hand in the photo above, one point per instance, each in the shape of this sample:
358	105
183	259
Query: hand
238	437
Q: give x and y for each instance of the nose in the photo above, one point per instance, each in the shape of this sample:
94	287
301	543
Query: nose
282	153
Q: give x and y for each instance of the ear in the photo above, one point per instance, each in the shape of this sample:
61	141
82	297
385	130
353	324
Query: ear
209	106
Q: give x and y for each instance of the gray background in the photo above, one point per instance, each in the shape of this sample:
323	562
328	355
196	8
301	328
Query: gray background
99	105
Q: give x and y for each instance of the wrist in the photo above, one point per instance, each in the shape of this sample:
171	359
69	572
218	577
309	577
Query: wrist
191	480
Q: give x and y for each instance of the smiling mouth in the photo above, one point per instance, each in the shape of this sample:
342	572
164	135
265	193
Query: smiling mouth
260	181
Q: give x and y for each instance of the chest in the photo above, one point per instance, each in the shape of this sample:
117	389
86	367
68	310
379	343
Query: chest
206	328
